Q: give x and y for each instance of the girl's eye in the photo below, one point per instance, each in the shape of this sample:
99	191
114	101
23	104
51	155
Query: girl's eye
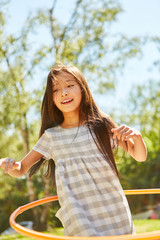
55	90
70	85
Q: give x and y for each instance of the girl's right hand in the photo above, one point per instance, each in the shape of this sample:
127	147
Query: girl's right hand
9	164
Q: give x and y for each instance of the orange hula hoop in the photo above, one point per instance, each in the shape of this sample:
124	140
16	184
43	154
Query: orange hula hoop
42	236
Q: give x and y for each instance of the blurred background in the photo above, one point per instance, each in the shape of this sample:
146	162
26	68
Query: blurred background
116	44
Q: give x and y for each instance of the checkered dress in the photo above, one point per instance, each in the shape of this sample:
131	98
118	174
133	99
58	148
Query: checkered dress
90	195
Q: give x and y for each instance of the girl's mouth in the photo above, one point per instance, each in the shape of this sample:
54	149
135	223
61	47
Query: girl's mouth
67	101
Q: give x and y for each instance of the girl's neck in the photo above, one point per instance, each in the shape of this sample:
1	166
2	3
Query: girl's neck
70	120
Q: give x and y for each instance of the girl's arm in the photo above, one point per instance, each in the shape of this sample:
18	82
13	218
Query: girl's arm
136	146
18	169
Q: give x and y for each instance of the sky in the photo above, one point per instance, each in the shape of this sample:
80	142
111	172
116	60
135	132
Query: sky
140	17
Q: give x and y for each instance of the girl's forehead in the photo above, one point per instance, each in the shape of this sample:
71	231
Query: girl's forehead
63	78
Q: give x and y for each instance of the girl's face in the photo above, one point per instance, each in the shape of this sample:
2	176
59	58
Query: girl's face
66	93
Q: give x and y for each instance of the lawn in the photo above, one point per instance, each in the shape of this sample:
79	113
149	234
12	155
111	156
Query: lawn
140	226
146	225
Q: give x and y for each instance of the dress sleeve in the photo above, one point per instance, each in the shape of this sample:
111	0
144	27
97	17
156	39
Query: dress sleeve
43	145
114	142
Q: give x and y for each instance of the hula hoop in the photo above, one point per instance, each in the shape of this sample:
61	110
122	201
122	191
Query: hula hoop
42	236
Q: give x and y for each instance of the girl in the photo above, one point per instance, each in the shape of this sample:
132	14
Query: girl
80	139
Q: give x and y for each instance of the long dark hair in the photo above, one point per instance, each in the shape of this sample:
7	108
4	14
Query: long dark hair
89	113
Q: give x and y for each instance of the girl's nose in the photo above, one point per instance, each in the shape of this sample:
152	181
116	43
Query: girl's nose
64	92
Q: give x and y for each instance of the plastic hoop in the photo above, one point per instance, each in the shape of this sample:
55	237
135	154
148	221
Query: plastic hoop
42	236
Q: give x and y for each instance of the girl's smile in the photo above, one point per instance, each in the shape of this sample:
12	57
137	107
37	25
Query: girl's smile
67	101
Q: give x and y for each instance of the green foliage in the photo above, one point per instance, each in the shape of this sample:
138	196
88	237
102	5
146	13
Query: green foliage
84	40
13	194
11	145
144	103
13	191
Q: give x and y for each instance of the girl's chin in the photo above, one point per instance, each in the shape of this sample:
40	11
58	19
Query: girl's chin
69	110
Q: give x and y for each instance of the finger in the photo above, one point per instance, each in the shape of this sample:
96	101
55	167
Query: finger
117	129
121	135
118	135
113	129
124	130
130	135
10	164
3	165
17	165
2	162
125	134
128	132
6	165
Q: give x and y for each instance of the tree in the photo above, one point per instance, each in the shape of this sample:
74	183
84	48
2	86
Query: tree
85	40
16	99
144	104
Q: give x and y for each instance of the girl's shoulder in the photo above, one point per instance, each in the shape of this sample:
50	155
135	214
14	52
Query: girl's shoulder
109	119
52	130
105	115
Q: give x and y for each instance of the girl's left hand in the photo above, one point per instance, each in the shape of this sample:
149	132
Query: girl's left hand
123	133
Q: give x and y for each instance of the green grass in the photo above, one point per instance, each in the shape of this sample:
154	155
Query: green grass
140	226
56	231
146	225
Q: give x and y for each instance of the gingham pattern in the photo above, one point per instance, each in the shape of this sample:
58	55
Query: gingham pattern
90	195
